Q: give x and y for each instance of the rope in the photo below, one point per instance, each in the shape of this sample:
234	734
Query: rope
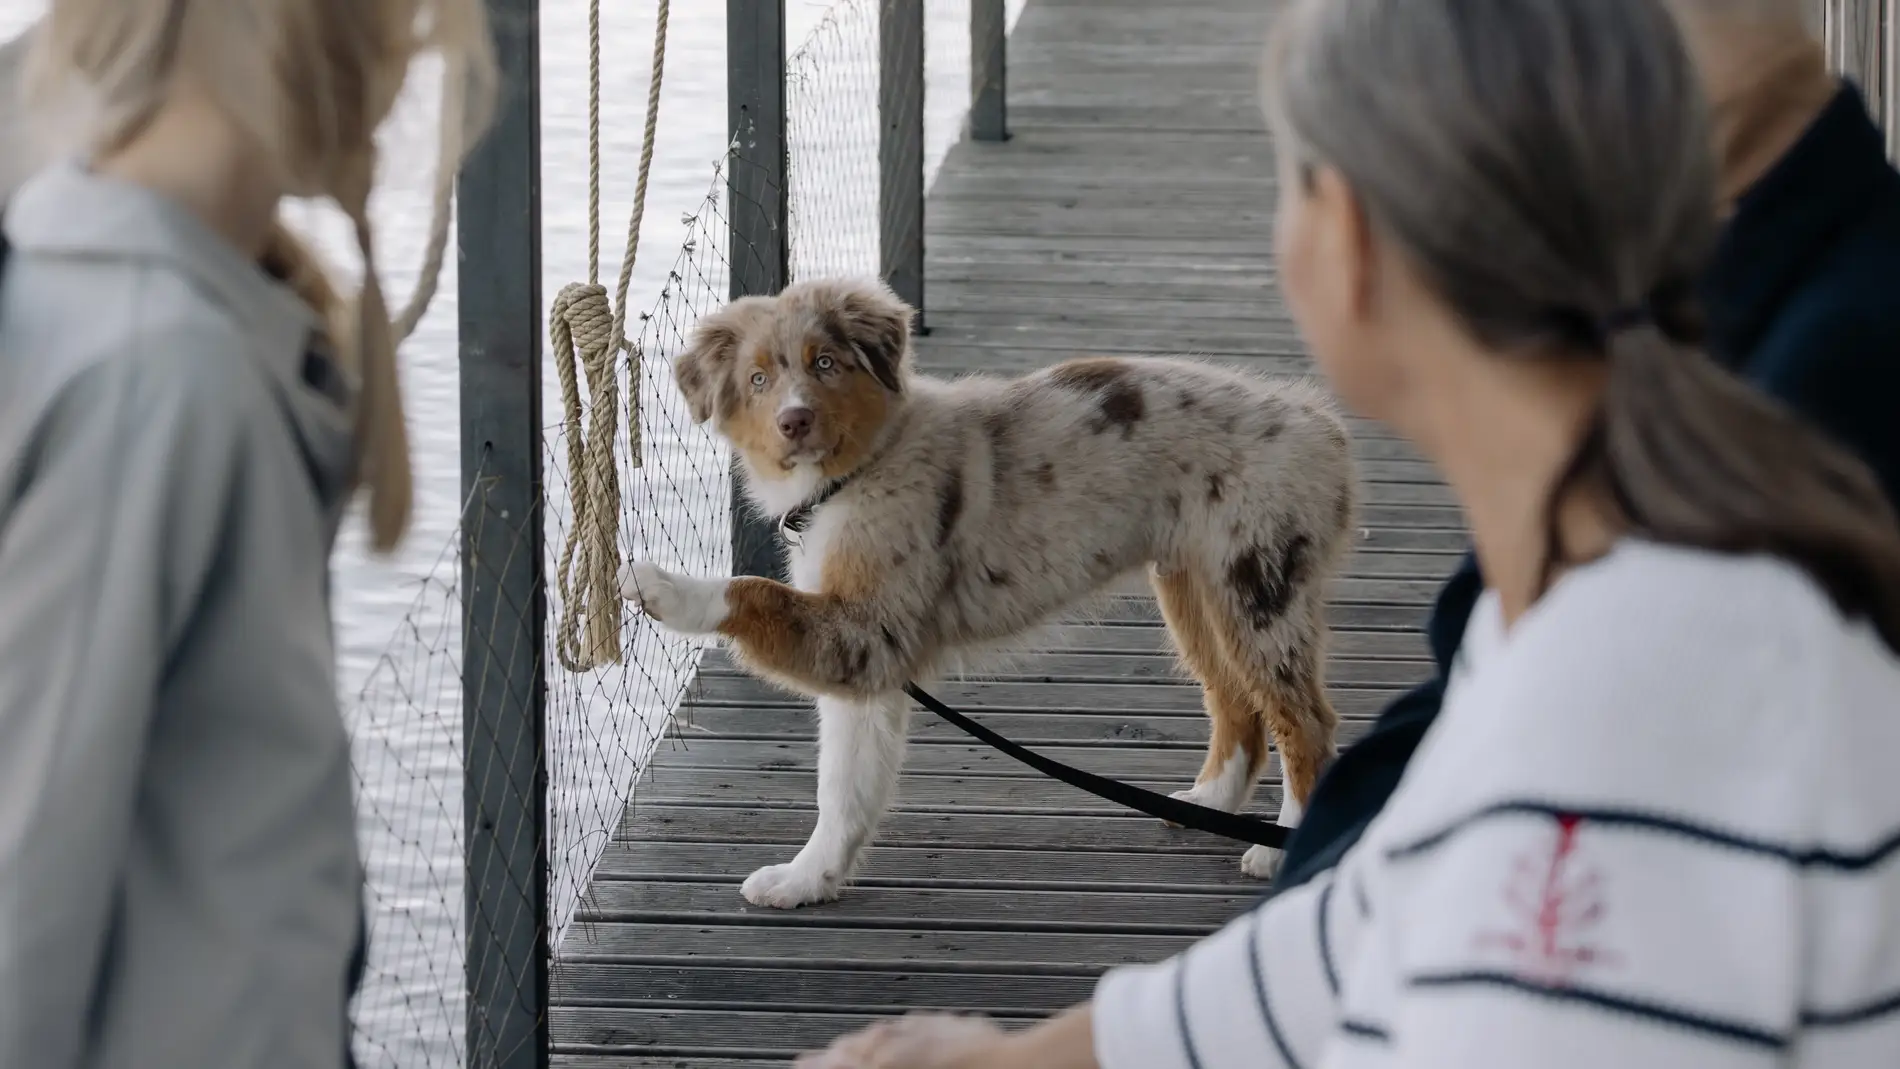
588	333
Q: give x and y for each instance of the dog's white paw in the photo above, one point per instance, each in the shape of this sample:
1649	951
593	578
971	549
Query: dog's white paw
686	605
790	885
1262	862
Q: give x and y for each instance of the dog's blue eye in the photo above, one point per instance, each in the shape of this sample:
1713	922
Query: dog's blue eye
758	378
824	363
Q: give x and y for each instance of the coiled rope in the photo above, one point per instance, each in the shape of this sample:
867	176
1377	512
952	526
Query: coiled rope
588	333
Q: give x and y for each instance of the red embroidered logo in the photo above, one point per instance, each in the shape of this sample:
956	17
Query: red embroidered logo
1556	904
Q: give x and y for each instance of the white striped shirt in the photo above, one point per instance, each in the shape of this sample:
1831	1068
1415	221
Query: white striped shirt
1656	824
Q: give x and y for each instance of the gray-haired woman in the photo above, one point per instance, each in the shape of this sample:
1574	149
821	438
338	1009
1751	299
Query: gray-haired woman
1656	823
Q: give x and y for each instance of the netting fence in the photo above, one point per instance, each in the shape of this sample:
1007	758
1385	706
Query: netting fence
634	449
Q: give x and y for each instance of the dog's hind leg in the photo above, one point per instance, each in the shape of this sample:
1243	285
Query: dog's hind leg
860	754
1237	748
1287	666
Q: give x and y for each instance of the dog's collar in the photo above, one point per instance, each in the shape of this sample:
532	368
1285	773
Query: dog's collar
794	523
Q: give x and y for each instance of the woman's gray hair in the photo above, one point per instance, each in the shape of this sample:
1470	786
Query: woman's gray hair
1543	161
1547	166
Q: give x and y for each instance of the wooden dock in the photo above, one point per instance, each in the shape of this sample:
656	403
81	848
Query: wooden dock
1130	213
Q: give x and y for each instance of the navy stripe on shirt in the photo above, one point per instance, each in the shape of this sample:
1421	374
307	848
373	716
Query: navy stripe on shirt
1643	1009
1803	857
1260	993
1325	937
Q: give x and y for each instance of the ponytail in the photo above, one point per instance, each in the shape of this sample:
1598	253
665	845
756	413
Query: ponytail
1684	453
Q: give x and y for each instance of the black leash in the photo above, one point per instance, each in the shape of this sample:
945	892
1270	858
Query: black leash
1198	817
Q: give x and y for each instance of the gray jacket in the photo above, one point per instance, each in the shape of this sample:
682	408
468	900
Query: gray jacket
179	880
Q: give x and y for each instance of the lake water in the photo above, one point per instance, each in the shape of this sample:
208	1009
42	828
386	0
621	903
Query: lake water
399	637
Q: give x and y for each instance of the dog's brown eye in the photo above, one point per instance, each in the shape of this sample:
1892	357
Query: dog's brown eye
823	363
758	379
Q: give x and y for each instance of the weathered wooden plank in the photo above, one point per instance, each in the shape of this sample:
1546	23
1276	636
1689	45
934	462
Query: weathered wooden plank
1040	108
971	199
929	908
723	1033
1059	249
743	788
907	866
821	990
1103	303
743	943
1047	146
568	1060
1161	222
1123	831
1193	336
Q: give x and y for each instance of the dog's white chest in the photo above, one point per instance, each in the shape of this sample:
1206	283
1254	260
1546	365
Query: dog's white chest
805	555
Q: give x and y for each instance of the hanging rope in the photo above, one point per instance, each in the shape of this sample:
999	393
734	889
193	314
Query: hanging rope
588	333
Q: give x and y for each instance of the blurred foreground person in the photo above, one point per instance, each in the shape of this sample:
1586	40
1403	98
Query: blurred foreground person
185	410
1657	823
20	153
1800	300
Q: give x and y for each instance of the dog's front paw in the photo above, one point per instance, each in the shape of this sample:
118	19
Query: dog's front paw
790	886
1262	862
683	604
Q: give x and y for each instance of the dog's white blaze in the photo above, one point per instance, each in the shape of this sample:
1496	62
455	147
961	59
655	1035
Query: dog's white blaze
794	398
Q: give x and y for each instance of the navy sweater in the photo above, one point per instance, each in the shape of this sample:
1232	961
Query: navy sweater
1803	300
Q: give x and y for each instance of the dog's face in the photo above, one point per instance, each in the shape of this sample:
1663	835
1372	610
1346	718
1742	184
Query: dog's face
807	377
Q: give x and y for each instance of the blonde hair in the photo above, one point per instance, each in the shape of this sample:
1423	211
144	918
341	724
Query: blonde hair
310	81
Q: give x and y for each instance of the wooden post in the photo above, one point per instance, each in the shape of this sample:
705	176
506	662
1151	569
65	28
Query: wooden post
504	692
900	150
758	194
1890	76
989	118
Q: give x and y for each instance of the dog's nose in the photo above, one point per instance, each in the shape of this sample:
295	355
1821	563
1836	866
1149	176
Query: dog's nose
794	423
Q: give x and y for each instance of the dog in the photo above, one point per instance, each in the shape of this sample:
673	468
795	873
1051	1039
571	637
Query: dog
927	518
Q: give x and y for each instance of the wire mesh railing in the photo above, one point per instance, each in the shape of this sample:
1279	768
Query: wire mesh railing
474	664
831	132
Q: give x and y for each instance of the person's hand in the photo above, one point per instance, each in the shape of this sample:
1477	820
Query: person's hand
919	1041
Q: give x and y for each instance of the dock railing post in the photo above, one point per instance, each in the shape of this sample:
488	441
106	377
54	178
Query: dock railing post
1891	76
900	150
989	70
504	693
757	207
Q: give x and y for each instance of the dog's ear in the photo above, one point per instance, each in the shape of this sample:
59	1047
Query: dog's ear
876	322
704	370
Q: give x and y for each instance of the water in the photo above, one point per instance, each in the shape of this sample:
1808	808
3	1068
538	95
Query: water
396	620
